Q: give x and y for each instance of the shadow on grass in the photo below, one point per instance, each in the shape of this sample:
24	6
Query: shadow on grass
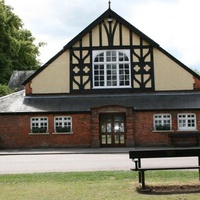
169	189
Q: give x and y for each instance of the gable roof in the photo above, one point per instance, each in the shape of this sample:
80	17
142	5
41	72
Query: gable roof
107	14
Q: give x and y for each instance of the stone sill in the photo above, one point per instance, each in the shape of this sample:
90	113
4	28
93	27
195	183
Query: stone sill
62	133
163	131
38	133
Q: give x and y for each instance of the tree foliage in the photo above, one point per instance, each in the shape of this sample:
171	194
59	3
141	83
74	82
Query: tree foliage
5	90
17	50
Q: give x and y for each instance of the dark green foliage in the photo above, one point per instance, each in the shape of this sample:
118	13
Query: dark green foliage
63	129
39	130
17	50
4	90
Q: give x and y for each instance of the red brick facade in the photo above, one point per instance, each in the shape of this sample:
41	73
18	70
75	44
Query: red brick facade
147	136
196	84
16	133
85	127
28	89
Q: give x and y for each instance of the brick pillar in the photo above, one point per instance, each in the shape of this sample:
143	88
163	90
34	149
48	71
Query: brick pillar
95	141
130	136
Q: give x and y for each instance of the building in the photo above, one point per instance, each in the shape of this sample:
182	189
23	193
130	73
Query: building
110	86
17	78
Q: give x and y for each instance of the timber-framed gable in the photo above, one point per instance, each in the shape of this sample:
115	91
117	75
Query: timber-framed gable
110	32
150	66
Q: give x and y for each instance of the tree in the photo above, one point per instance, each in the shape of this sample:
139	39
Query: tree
17	50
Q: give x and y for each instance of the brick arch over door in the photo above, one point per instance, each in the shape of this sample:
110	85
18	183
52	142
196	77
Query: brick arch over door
95	123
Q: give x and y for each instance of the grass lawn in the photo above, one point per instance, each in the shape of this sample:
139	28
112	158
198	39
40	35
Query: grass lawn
115	185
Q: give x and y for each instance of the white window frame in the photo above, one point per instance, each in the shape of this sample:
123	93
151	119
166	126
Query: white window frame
162	122
104	64
64	122
42	122
185	123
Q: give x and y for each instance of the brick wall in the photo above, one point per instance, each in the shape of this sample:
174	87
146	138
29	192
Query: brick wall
196	84
28	88
15	132
145	135
15	129
144	131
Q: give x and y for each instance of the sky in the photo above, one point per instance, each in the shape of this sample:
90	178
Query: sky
173	24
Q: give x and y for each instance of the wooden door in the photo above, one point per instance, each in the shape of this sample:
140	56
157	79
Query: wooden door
112	130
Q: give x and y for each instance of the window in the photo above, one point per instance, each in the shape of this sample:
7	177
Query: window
187	121
39	125
111	69
62	124
162	122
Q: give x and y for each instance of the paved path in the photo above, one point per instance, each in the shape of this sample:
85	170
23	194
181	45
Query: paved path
68	160
64	160
63	163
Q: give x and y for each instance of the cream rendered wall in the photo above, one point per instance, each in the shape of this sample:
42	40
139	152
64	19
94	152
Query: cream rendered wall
136	39
169	75
126	35
104	35
116	39
54	78
95	36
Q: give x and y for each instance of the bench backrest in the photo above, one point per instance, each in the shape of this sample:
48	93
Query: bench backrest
166	152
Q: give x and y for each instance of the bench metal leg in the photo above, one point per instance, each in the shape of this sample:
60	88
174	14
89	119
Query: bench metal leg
199	174
199	165
141	175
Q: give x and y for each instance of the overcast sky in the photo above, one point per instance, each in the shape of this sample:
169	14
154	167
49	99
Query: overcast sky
173	24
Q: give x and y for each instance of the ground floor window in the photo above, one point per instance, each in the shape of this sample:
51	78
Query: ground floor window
62	124
39	125
187	122
162	122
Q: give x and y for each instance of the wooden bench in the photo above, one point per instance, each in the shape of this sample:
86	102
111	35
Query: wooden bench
139	154
184	137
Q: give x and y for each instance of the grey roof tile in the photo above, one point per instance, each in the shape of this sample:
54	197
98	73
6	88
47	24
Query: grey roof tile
18	103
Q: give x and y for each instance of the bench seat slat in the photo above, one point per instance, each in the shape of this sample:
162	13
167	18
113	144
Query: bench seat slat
165	168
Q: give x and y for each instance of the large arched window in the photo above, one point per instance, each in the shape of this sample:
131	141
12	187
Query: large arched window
111	69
